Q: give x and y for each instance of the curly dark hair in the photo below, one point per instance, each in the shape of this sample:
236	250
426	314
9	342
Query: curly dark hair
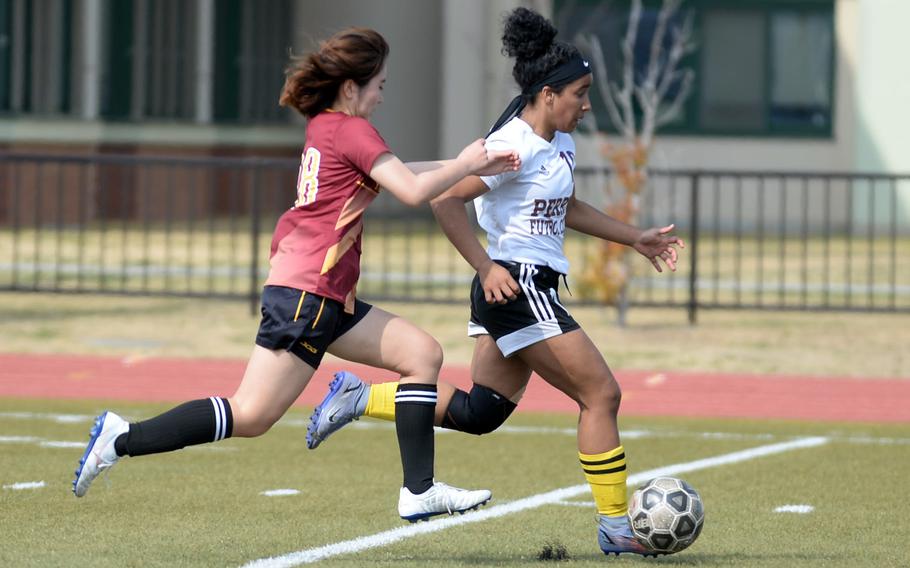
530	39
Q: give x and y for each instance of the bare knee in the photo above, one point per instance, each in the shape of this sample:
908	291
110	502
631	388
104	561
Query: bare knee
253	428
250	423
424	358
605	397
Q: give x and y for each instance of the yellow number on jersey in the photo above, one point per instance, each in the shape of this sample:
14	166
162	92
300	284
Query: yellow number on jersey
308	178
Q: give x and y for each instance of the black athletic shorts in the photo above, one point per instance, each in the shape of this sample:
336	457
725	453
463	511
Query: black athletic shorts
304	324
535	315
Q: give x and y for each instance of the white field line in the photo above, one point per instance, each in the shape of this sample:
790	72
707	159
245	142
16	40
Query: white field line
25	485
61	418
280	492
625	434
552	497
65	444
800	509
575	503
61	444
502	430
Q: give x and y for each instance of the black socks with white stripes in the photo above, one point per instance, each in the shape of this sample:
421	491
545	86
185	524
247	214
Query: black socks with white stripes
415	408
191	423
210	420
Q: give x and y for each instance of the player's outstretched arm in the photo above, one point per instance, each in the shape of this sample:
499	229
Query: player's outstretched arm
655	243
433	178
498	284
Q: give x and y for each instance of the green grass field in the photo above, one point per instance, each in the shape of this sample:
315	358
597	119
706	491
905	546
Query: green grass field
203	506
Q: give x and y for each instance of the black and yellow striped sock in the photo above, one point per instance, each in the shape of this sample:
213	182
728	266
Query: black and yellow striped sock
606	473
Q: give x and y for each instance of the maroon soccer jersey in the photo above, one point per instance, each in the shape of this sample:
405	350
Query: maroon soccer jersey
317	243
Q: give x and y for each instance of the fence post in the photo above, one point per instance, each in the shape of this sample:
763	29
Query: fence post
694	180
254	242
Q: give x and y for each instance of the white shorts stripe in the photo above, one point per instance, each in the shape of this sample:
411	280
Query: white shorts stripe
530	335
475	329
532	301
218	417
544	300
556	300
543	305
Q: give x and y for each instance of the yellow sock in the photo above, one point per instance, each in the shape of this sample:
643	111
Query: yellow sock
606	473
381	403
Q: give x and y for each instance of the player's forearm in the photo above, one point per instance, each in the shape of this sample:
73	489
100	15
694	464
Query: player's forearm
434	182
586	219
420	167
453	219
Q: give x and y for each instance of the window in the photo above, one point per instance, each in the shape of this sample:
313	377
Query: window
36	47
761	67
732	47
253	40
150	59
6	47
801	70
163	60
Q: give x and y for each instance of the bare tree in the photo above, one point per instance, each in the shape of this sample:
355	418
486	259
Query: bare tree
637	106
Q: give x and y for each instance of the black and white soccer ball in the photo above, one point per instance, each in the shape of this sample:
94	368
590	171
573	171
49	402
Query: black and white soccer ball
667	514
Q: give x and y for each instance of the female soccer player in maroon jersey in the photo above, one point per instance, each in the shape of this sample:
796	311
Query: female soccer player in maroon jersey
309	304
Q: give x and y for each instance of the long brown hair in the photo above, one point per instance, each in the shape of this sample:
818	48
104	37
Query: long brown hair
312	80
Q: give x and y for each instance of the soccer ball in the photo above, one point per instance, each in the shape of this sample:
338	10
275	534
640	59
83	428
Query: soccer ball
667	514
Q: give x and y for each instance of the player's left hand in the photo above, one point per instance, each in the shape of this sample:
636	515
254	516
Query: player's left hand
658	243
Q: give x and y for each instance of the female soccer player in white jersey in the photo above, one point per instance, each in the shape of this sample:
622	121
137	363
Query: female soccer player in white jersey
309	304
516	315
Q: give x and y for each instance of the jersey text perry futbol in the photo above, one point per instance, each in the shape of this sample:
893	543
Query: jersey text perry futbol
524	213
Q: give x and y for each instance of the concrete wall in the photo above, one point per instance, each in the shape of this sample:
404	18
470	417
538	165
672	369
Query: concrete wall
882	109
409	117
882	86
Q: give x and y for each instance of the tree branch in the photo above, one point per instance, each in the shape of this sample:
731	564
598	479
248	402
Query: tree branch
628	52
667	115
604	87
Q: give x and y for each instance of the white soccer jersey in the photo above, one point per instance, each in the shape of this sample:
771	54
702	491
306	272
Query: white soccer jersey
524	213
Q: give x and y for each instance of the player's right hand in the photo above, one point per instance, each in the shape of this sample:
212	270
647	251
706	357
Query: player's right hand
498	285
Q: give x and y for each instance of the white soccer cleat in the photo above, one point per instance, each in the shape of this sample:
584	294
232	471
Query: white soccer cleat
99	454
439	499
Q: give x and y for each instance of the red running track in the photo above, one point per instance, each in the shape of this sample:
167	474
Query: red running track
670	393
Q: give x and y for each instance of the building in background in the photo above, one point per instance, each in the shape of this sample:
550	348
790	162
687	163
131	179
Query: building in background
195	76
781	85
767	172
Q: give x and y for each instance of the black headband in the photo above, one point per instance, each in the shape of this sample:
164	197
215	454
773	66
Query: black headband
569	71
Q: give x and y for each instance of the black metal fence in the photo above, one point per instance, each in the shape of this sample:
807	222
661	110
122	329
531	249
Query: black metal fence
202	227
